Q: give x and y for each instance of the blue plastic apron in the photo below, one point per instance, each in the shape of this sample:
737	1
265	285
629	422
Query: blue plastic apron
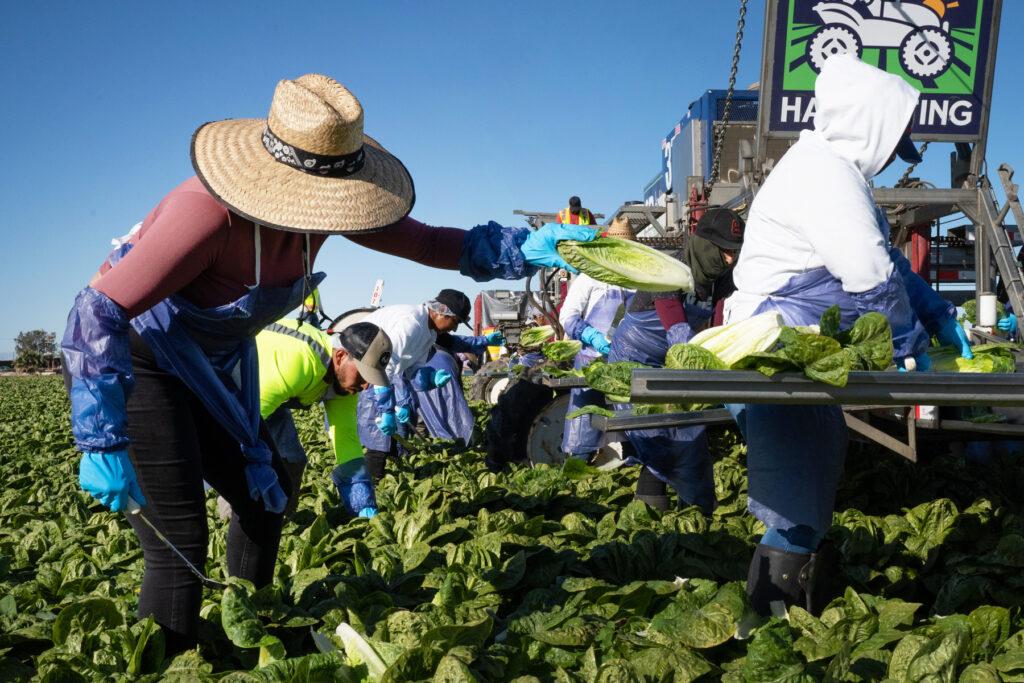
679	456
213	351
445	411
580	438
795	454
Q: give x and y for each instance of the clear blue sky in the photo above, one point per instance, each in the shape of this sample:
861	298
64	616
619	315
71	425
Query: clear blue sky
492	106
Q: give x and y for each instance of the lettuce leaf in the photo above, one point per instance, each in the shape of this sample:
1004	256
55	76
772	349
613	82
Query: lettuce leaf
628	264
562	351
987	358
611	379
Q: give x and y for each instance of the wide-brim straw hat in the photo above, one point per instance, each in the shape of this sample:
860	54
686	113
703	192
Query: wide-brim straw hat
620	228
307	167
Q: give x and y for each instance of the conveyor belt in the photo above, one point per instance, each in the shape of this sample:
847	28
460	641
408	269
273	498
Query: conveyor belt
625	420
563	382
863	388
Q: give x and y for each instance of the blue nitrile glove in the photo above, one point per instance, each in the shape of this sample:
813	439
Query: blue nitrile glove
1008	324
403	414
495	338
387	424
354	486
368	512
539	249
442	377
952	334
592	337
922	363
110	479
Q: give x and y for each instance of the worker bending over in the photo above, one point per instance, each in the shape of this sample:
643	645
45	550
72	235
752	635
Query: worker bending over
679	456
588	314
815	238
387	410
300	365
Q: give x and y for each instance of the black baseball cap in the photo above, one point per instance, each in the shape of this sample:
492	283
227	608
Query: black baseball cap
457	302
574	202
370	349
722	227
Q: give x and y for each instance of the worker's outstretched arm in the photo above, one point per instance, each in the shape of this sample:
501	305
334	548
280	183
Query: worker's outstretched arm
457	343
485	252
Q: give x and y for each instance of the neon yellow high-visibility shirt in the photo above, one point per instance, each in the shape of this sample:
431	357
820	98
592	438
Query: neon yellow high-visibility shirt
296	369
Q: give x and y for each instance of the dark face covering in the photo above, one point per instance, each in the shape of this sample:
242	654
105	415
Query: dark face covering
706	262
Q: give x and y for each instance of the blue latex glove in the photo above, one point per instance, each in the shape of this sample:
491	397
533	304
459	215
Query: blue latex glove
540	250
387	424
1008	324
442	377
354	486
110	479
495	338
368	512
922	363
952	334
403	414
592	337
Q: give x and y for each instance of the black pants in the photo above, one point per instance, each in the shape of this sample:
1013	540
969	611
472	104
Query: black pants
175	445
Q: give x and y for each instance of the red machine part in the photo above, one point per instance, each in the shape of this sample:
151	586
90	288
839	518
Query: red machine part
920	249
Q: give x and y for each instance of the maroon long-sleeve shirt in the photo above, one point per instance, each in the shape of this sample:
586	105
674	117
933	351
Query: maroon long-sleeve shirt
193	245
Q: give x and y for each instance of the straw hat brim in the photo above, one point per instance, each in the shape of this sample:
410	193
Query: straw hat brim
231	161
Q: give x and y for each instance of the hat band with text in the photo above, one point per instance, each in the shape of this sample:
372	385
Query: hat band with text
337	166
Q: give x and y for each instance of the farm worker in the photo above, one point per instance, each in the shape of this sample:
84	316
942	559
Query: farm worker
587	315
414	330
576	214
1008	323
300	365
679	456
814	239
160	346
312	309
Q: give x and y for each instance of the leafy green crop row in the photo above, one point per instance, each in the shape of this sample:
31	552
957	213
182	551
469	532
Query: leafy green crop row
538	575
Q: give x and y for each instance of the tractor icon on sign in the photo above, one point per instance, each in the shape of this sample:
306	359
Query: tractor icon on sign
915	29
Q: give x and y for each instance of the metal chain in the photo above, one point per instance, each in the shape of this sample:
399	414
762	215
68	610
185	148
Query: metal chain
910	169
741	24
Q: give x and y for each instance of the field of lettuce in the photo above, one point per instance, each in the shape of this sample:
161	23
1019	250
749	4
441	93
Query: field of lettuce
542	574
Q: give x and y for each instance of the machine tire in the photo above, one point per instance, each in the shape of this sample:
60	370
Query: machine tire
544	440
831	40
511	420
926	53
489	382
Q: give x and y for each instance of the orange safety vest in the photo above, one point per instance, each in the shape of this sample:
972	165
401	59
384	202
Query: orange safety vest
565	216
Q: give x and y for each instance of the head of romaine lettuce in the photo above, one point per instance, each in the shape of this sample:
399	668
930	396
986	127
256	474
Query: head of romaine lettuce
535	336
627	264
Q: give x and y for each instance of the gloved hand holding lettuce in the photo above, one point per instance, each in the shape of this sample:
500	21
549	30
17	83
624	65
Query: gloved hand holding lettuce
628	264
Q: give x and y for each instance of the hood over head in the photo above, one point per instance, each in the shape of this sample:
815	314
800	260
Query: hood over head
862	111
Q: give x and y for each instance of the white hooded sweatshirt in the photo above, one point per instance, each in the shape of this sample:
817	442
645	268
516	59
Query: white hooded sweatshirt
816	209
411	336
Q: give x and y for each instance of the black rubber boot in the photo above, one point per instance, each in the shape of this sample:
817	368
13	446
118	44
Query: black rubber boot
376	462
790	578
652	490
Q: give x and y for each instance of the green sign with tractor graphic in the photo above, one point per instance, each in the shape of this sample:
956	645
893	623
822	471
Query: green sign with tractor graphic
941	47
